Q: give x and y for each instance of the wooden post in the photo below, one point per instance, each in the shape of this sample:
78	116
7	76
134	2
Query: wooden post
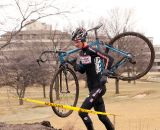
117	85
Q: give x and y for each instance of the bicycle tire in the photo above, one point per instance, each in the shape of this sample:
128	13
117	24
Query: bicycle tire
140	47
61	99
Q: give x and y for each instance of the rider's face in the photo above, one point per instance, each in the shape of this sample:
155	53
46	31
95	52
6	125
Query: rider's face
78	43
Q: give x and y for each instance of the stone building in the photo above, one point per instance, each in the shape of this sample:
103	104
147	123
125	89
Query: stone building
18	58
36	38
156	65
38	26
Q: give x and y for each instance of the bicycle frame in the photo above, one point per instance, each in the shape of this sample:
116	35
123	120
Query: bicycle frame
63	55
96	43
60	84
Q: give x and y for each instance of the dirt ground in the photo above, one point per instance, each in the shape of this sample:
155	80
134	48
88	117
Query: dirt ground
137	108
44	125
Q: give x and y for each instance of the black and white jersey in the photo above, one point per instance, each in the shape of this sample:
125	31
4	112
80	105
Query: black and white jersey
92	63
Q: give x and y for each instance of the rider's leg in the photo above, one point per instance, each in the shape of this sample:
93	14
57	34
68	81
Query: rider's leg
99	106
88	104
86	119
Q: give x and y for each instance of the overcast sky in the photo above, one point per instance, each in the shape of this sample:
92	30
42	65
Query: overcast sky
145	13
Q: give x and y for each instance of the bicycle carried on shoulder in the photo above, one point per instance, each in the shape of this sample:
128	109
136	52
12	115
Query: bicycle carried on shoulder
133	55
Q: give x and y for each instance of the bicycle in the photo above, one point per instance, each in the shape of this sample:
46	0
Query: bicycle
127	65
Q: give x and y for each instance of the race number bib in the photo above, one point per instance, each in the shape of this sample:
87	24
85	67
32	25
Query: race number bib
85	59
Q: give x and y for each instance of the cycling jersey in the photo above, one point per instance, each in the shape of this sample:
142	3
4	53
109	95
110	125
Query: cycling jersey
93	62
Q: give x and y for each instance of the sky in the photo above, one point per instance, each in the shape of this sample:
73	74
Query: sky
145	13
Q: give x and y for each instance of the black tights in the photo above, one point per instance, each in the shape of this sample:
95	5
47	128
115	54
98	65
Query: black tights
95	100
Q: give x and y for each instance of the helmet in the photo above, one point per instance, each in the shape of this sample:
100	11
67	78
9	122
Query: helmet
79	34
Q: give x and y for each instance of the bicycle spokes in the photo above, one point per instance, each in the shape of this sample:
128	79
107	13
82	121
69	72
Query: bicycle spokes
140	55
68	90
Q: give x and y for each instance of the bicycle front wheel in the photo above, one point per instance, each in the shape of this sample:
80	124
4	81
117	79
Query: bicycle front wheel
141	50
64	90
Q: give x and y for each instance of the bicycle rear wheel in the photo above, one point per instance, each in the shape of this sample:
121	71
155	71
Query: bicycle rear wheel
64	89
140	48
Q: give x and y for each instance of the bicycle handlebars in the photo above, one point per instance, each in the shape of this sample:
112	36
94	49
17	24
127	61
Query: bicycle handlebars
59	51
44	52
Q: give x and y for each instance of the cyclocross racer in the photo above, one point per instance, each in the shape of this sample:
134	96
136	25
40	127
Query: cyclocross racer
92	63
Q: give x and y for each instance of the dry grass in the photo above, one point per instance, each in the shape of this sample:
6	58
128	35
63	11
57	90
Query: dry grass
137	106
69	126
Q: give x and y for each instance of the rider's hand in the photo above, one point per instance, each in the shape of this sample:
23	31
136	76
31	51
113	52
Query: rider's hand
75	65
73	62
105	72
103	79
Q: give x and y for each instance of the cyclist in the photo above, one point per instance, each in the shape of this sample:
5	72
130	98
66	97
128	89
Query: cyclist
91	63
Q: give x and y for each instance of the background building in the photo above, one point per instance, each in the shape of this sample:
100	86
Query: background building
38	26
38	37
156	65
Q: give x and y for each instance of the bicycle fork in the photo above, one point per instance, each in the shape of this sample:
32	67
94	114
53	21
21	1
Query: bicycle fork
64	71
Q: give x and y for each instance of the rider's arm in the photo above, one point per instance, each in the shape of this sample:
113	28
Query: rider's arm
80	68
108	59
77	67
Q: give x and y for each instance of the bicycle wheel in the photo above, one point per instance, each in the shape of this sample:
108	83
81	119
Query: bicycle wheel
140	48
64	89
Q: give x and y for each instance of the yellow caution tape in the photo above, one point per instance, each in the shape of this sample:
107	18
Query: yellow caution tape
67	107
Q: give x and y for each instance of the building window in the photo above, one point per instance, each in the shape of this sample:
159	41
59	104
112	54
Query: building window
34	36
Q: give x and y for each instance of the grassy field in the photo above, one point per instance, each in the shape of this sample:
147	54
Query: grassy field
137	107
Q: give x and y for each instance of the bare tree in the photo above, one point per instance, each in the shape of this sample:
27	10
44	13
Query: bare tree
118	21
33	10
19	74
43	78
